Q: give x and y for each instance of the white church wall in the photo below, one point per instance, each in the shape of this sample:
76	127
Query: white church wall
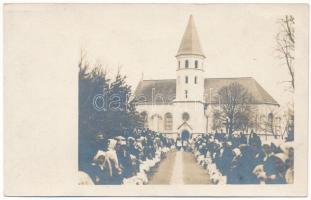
156	116
194	89
196	116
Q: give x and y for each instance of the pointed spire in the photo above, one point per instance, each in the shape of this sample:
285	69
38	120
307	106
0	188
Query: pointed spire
190	43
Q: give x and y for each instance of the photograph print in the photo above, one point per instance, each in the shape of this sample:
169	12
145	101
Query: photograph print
190	95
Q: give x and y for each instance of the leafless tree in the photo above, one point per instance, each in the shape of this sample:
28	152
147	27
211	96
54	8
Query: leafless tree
285	39
234	110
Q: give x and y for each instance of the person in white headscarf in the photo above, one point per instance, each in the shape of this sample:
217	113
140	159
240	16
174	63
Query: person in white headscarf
103	171
267	152
113	158
275	173
233	172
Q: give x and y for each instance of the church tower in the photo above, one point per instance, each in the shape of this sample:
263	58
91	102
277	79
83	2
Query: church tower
189	116
190	62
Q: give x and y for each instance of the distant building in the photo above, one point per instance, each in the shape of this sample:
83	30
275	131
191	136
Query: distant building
183	106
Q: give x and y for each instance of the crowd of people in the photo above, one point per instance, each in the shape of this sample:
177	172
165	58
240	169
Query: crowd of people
126	159
241	159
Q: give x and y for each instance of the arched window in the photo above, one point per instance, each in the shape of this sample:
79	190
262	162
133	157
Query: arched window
186	94
269	124
278	124
168	122
178	64
186	79
144	116
156	122
262	122
196	64
195	80
270	119
187	64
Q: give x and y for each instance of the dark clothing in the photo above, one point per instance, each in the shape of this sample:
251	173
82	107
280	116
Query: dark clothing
125	161
101	176
233	176
247	166
271	169
243	139
290	136
254	140
134	151
227	157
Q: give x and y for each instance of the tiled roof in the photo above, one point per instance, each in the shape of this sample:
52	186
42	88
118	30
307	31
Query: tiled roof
163	91
158	91
259	94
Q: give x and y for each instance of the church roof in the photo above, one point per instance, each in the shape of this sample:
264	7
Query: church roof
158	91
260	95
190	43
163	91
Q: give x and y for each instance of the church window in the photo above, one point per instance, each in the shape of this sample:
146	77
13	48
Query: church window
196	64
186	94
187	64
186	79
195	80
278	124
168	121
262	122
185	116
270	122
270	118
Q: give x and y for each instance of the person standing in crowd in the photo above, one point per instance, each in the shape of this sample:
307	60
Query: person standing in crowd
217	135
274	170
112	156
178	144
247	165
132	147
267	152
233	176
290	135
227	157
102	173
289	163
124	159
254	139
243	138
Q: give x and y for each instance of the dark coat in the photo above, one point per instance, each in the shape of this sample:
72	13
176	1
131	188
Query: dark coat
101	176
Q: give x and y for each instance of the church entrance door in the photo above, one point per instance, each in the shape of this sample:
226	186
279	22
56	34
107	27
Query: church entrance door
185	135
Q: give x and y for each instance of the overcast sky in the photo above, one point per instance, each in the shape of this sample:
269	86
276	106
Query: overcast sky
238	40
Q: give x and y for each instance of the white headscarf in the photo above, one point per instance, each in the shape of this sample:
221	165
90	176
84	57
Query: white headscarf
281	156
237	151
99	153
112	144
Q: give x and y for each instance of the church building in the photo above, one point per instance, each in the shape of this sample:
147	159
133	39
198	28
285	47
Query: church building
183	106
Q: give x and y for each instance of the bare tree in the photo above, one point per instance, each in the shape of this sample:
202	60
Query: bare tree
234	110
285	39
